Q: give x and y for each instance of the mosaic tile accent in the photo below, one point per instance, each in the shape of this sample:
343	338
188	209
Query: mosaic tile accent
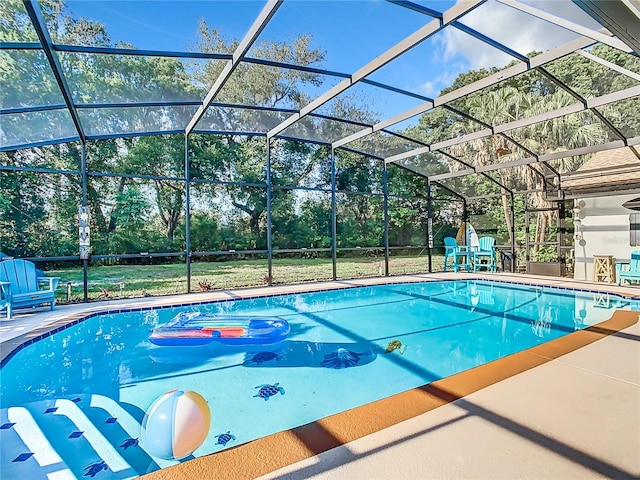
23	456
51	410
6	426
94	469
76	434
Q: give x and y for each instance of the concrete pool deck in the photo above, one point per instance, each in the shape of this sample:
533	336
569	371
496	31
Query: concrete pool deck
566	409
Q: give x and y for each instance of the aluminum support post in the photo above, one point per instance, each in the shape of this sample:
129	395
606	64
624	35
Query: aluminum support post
513	233
385	206
85	261
269	242
187	213
430	224
334	220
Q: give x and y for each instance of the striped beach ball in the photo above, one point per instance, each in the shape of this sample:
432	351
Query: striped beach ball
175	425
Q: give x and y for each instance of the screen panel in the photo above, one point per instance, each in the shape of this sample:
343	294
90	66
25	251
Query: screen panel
20	129
16	25
305	266
95	78
39	214
135	215
131	120
26	80
301	219
359	220
228	217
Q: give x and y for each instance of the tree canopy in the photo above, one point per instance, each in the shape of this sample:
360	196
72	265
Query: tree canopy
137	185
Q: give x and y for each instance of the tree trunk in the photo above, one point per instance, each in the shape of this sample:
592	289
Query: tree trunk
536	235
541	229
254	217
507	215
113	219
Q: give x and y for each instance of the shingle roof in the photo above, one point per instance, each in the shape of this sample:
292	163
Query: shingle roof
617	167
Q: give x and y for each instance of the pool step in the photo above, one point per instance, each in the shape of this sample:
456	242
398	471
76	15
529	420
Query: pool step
85	436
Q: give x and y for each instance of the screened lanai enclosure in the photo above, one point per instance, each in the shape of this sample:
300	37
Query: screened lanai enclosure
177	146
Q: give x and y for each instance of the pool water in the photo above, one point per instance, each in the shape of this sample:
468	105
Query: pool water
75	400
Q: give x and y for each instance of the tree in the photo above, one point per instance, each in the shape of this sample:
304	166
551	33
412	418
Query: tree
527	95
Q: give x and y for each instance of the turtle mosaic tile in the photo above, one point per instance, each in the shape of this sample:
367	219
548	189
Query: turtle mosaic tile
94	469
265	391
224	438
130	442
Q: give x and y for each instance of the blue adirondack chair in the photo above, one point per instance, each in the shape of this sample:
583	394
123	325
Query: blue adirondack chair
484	256
450	246
21	287
632	271
458	253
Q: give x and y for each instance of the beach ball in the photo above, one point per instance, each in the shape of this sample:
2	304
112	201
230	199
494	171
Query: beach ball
175	424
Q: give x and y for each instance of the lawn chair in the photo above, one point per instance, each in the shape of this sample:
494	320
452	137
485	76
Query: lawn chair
21	287
459	254
484	256
629	271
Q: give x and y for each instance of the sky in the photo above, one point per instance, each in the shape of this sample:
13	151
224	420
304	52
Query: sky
352	32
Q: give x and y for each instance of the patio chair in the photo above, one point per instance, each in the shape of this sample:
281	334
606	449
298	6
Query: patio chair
459	254
21	287
629	271
484	256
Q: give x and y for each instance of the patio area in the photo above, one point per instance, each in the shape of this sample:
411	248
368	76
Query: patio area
566	409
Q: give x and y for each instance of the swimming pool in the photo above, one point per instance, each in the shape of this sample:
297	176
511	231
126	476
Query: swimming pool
86	389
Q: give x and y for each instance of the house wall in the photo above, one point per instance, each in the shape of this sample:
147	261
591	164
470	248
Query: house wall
603	230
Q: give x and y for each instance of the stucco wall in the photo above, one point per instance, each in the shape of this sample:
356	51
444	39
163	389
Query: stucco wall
603	230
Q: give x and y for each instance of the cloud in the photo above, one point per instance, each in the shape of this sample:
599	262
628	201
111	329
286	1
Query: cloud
428	89
515	29
431	88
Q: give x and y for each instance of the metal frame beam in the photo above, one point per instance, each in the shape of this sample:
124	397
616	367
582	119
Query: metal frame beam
524	122
40	27
460	26
398	49
245	44
269	193
200	55
187	210
609	65
568	25
510	72
621	17
584	101
137	52
543	158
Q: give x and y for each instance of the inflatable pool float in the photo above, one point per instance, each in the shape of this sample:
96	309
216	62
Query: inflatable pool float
195	328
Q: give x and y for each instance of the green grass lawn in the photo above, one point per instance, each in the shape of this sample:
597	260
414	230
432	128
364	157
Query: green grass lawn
130	281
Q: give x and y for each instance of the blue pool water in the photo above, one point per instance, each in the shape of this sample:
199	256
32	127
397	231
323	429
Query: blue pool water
74	401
